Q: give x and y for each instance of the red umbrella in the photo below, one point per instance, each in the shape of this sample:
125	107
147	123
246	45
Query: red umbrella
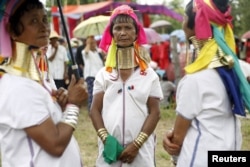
246	35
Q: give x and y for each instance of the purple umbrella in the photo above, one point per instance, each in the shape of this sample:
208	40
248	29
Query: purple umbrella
152	36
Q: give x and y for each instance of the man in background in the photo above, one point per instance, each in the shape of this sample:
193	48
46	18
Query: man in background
57	59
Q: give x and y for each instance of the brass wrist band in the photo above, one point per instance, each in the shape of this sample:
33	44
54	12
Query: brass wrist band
102	133
141	138
136	145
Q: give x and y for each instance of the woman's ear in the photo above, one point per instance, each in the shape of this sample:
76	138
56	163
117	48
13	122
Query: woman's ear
136	35
12	35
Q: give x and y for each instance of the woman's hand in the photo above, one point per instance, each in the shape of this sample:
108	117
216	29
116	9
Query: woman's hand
76	92
61	97
171	148
87	48
129	153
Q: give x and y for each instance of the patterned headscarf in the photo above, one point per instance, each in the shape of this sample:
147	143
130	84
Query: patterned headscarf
107	37
108	45
6	9
207	13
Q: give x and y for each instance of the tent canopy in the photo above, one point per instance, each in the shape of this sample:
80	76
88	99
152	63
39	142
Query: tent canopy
78	11
73	13
102	8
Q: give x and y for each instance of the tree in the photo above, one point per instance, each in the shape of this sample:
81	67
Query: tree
175	5
241	15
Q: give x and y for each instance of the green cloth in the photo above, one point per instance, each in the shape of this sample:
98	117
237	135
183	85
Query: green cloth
112	149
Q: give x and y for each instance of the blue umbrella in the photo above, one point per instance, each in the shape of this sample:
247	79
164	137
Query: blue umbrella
180	34
165	37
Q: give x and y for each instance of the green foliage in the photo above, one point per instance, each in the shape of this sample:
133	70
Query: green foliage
241	15
175	5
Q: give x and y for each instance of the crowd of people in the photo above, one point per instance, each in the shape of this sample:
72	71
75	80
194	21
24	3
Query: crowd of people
41	99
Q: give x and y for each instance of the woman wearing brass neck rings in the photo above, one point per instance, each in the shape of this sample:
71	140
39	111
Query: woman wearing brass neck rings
125	108
213	91
37	122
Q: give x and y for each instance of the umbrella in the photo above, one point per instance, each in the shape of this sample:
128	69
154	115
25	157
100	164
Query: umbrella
165	37
180	34
92	26
74	66
152	36
246	35
160	23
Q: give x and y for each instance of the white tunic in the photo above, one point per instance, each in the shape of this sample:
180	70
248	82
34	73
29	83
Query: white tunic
92	63
25	103
245	67
202	98
56	66
125	110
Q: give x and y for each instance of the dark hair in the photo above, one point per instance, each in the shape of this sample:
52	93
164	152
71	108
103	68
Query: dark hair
15	25
191	15
122	18
165	77
222	5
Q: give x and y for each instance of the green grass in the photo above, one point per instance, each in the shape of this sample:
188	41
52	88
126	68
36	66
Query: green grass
87	138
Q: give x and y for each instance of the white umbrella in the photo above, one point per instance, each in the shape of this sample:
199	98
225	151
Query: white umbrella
160	23
91	27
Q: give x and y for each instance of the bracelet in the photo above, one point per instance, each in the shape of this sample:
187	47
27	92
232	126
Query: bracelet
141	138
70	115
103	134
136	145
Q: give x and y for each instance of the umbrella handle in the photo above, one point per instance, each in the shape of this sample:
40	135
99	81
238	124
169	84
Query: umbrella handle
74	65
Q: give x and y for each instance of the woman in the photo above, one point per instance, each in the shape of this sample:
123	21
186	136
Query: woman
214	90
34	129
125	108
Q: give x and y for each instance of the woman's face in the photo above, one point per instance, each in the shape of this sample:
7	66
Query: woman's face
35	28
188	32
124	34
